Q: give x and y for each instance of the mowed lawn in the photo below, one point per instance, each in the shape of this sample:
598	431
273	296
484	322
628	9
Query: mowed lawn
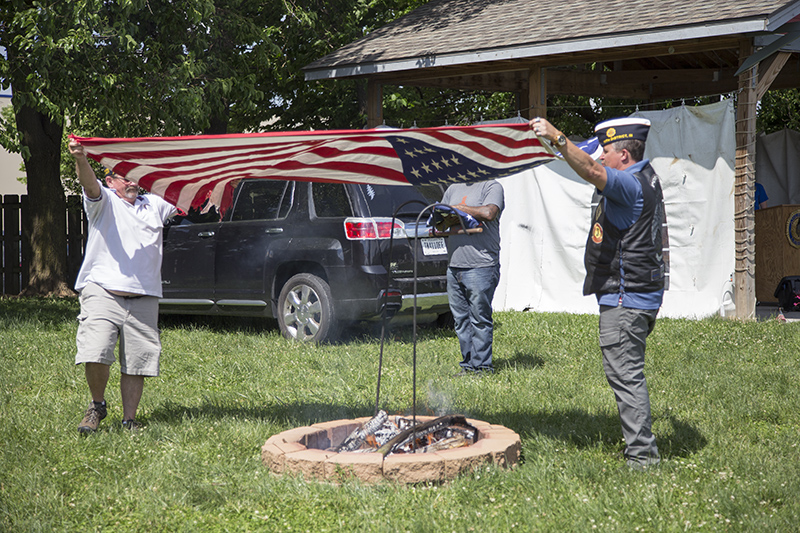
725	397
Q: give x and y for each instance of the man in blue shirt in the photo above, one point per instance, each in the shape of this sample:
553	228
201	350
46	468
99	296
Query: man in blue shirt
626	264
761	197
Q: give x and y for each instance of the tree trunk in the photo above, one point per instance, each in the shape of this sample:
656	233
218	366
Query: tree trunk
46	220
218	124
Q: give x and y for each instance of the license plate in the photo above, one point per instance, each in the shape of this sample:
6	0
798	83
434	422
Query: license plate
434	246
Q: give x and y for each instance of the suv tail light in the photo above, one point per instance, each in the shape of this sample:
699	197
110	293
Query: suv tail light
369	229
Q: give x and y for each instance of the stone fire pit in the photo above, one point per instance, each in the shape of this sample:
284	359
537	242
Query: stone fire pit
306	450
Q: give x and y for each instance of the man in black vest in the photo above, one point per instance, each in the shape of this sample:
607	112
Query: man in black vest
625	261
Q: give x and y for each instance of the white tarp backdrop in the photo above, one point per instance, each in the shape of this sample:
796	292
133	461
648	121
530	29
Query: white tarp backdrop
546	220
778	166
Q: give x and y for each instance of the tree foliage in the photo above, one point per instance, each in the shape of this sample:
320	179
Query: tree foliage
118	68
43	45
307	30
123	68
409	106
779	109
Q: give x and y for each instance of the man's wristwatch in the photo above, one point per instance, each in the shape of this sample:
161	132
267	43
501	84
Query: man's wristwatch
560	141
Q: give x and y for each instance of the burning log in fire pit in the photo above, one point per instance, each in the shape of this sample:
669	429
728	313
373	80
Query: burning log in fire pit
386	437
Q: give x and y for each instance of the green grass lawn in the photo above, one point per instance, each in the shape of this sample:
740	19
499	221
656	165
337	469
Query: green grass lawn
725	398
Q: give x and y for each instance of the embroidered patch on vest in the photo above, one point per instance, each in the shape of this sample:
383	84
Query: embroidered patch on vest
597	233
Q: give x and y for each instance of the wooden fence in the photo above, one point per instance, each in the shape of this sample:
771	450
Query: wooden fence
15	249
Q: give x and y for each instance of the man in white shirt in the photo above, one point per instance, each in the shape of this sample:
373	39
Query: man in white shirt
119	285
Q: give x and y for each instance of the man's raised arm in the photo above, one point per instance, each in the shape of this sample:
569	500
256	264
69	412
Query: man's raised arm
86	176
581	162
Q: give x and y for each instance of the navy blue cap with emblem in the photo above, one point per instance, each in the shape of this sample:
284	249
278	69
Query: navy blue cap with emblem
622	129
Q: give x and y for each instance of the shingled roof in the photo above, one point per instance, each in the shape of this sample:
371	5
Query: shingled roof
461	32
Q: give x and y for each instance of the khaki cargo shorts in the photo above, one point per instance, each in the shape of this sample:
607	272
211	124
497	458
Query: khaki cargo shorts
106	318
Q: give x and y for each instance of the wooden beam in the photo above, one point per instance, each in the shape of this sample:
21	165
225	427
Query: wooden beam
768	71
537	93
635	83
494	82
768	50
524	101
421	76
592	83
666	49
744	190
374	104
685	75
641	84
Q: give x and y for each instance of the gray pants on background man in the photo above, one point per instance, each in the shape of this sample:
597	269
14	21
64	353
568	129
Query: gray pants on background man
623	335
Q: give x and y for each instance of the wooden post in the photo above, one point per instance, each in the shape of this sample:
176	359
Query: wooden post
537	92
374	104
11	245
744	189
76	237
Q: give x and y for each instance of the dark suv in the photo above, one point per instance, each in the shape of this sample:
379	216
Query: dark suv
312	255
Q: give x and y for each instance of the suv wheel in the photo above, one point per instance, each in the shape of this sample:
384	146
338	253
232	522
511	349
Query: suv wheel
305	309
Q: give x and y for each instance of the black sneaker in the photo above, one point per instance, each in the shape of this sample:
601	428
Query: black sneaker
94	414
131	425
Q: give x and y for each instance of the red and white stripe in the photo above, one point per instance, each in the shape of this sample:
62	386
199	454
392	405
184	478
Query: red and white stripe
187	170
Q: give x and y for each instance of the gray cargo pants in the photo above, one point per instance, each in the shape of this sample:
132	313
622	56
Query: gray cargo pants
623	335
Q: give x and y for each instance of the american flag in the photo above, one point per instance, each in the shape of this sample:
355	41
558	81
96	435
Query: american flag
188	171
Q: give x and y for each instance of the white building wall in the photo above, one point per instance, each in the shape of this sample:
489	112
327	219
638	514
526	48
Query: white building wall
10	164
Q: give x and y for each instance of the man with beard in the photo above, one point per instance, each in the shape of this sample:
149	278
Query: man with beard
119	284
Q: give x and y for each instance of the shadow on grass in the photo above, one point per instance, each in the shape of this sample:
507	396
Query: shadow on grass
519	360
684	440
292	415
584	430
219	324
43	311
360	331
404	332
575	427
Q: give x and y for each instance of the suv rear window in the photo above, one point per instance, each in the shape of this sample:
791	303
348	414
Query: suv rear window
263	200
384	200
330	200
